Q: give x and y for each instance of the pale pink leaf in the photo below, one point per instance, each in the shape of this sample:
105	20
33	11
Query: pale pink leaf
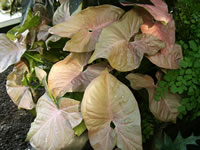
166	109
114	43
108	100
62	13
65	71
170	56
85	27
10	52
117	46
52	128
148	44
159	11
43	32
21	95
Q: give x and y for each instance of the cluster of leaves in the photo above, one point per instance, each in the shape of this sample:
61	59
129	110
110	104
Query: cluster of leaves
185	81
74	56
179	143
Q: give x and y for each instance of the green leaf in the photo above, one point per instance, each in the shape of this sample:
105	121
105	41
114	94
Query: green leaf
30	22
78	130
174	89
75	95
193	45
181	109
181	143
188	71
178	144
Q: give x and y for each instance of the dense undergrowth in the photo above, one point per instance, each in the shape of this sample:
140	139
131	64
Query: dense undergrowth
88	75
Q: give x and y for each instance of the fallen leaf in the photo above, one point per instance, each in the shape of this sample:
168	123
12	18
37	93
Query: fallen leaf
108	100
85	27
53	127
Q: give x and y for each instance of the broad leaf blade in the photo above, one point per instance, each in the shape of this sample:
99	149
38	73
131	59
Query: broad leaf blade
114	43
170	56
53	127
107	100
84	34
166	109
63	73
21	95
10	52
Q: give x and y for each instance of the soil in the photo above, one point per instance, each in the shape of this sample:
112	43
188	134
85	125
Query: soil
14	123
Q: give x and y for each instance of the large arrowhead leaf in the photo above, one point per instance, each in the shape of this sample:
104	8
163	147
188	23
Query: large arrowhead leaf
10	52
107	100
116	45
67	76
53	127
167	108
170	56
21	95
85	27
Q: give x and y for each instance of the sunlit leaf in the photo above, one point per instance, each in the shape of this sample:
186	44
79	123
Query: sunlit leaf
68	75
63	72
85	27
166	109
106	101
53	127
10	52
116	43
20	94
170	56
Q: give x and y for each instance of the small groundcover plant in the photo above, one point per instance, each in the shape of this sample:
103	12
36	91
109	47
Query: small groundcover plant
79	68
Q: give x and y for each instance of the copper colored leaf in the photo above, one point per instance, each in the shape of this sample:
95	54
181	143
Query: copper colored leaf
114	43
170	56
108	100
85	27
10	52
117	46
159	11
53	128
63	73
20	94
167	108
72	78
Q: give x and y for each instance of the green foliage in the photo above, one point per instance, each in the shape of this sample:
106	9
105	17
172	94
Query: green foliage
179	143
78	130
186	80
30	22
